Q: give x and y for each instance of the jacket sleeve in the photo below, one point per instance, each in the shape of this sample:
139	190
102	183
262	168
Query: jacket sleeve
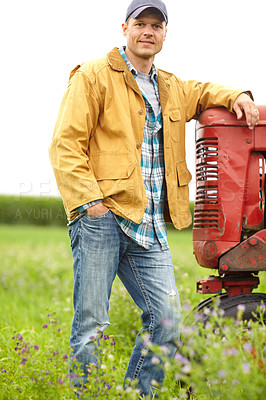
201	96
69	149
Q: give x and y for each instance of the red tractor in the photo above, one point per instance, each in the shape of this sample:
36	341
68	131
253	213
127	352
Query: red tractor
229	231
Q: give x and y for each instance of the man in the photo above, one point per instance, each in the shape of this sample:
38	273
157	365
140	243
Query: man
118	154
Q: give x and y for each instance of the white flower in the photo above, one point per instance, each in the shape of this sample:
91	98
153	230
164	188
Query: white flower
186	369
144	352
154	383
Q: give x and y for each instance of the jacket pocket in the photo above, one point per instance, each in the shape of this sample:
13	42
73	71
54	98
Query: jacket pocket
183	179
113	165
183	174
115	175
174	117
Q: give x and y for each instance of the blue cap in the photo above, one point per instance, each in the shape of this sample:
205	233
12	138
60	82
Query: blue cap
138	6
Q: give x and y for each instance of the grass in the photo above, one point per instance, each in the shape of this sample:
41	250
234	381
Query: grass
36	306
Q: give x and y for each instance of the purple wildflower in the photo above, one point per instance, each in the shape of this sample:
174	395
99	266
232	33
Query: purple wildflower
247	346
198	316
165	349
167	322
181	359
23	361
230	352
45	326
186	307
222	373
177	377
155	360
246	368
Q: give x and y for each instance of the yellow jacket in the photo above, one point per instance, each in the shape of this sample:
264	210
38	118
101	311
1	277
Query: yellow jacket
96	146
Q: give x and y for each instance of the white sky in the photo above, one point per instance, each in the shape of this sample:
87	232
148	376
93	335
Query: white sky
42	41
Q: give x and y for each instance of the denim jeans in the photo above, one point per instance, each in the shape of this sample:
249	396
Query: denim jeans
101	250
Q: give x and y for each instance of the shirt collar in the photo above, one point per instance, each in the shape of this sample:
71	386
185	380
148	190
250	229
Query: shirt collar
153	72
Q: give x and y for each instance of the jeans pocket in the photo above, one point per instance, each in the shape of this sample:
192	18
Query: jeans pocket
98	217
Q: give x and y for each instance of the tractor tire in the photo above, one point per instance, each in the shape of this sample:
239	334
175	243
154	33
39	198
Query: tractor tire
250	301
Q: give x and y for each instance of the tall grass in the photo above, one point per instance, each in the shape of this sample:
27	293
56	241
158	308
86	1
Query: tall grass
217	360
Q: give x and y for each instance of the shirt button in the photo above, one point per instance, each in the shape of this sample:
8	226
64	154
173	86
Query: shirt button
141	112
138	145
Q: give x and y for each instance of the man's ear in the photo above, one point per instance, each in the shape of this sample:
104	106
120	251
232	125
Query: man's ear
124	29
165	34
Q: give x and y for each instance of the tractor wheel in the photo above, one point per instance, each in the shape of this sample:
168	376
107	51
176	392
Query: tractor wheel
250	301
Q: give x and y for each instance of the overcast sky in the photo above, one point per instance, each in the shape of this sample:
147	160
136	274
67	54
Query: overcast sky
42	41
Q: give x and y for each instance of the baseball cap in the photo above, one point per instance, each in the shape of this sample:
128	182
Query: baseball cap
136	7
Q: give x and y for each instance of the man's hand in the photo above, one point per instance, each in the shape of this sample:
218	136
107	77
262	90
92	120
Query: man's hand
96	210
244	105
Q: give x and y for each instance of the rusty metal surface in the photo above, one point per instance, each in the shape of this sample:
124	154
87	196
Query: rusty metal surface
221	117
233	285
249	255
207	252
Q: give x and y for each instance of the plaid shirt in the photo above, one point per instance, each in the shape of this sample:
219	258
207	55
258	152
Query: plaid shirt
152	167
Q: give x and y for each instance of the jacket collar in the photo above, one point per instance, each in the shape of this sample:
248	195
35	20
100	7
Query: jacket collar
116	62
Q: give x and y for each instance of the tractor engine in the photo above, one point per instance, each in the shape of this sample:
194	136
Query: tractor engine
229	231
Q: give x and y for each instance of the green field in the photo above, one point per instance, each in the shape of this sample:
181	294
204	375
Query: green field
36	312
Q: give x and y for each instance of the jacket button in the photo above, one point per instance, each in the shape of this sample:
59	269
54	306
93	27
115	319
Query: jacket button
138	145
141	112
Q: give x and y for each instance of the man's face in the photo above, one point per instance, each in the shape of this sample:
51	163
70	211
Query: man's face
145	34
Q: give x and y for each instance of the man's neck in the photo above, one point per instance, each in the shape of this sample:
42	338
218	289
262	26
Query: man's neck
140	64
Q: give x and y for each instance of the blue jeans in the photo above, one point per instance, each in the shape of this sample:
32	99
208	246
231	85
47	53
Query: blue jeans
101	250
